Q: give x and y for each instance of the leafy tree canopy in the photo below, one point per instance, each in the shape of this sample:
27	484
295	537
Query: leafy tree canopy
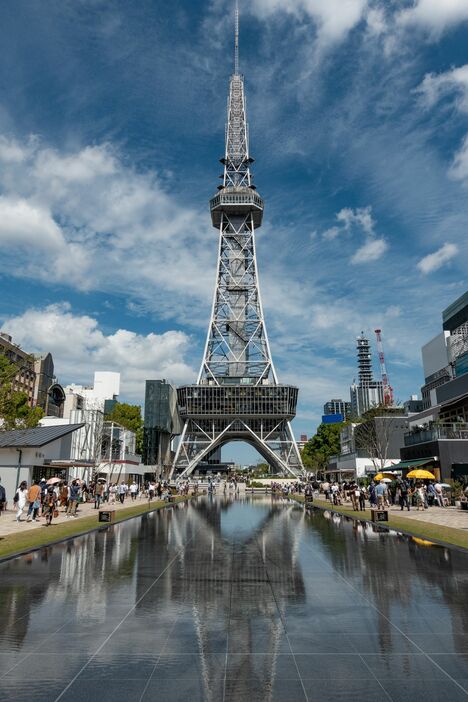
326	442
15	412
129	416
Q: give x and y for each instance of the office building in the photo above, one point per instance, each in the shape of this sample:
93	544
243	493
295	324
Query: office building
26	377
445	357
161	424
337	407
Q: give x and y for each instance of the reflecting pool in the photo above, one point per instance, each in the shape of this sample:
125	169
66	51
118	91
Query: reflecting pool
250	599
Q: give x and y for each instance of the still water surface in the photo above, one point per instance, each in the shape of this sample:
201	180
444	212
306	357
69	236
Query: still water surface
221	600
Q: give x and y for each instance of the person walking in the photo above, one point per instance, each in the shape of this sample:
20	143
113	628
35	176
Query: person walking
133	491
20	499
122	492
34	499
73	499
50	506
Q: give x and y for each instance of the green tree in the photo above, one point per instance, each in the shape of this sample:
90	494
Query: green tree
129	416
317	451
15	412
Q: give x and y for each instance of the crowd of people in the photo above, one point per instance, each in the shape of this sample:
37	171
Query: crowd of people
401	492
45	499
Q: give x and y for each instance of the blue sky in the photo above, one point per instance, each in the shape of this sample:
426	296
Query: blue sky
111	125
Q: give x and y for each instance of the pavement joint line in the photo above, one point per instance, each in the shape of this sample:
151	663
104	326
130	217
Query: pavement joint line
376	678
306	697
159	657
28	655
132	609
400	631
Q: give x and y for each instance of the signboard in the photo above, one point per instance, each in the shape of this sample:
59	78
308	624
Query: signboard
107	516
379	515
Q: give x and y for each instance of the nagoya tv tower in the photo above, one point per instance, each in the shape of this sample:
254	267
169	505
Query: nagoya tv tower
237	396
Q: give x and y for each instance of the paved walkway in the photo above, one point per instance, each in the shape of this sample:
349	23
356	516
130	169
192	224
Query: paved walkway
444	516
9	525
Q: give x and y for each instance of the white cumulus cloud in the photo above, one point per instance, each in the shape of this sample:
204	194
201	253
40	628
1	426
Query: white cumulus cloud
91	221
434	15
79	347
371	250
436	260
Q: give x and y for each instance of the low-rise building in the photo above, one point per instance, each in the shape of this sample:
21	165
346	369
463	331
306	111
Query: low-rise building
369	447
29	454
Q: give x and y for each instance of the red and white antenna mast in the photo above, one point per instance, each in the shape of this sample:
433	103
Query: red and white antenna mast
387	389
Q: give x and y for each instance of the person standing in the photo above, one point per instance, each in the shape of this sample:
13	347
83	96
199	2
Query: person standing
2	498
403	487
34	498
381	492
133	490
98	494
439	494
362	499
19	499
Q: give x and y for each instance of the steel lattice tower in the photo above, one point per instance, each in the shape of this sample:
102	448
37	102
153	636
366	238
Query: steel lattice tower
237	396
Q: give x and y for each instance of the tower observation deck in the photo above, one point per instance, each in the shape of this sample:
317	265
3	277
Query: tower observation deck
237	396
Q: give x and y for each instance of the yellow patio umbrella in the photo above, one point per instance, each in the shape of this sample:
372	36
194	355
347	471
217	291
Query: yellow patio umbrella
381	476
421	474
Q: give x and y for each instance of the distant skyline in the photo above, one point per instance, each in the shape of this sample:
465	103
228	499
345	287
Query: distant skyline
111	126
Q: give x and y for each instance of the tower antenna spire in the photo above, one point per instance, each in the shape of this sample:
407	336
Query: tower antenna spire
236	39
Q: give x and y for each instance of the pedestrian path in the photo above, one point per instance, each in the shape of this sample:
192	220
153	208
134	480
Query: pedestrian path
9	525
444	516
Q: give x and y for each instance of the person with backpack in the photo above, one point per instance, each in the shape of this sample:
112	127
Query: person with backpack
73	499
403	486
20	499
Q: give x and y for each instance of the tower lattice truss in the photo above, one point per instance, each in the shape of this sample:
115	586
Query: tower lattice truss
237	396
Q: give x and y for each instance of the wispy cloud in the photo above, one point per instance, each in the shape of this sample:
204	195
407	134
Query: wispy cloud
459	167
437	85
436	260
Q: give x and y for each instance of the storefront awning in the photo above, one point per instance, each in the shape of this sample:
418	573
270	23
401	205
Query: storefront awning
414	463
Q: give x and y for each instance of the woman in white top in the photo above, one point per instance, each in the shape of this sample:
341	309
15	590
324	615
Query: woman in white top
20	499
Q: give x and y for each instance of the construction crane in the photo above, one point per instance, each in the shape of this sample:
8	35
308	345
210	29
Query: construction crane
387	389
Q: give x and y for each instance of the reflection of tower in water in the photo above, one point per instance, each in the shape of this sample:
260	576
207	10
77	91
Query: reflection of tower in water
234	585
